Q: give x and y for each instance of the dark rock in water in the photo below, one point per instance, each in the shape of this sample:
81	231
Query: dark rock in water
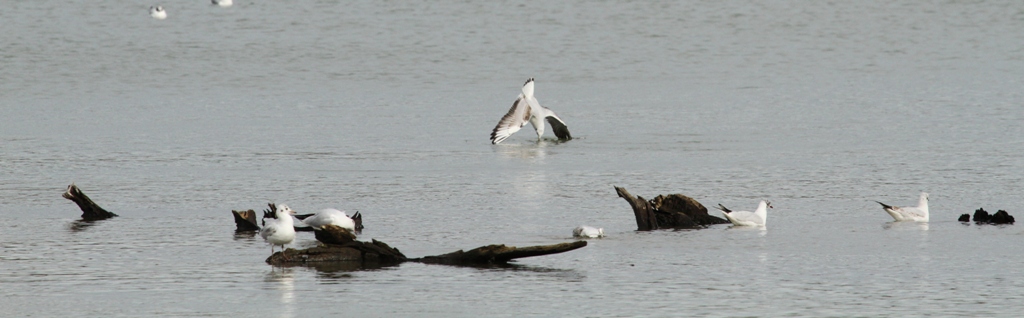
1001	217
671	211
981	216
90	211
245	221
369	254
964	218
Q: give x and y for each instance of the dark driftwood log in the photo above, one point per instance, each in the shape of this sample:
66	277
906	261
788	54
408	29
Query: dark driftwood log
964	218
90	211
377	253
498	254
245	221
671	211
369	254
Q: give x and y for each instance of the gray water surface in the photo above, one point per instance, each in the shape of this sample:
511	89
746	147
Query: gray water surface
385	108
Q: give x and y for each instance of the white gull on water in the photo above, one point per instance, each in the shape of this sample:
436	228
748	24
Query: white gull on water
746	218
917	213
157	12
279	231
588	232
526	109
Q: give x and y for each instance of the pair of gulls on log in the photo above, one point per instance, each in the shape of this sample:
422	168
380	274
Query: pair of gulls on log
759	217
280	229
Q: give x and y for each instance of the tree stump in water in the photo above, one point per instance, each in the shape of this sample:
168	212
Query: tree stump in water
245	221
675	211
90	211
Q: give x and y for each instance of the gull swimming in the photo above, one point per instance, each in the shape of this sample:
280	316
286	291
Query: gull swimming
336	217
746	218
918	213
157	12
222	3
526	109
279	231
585	231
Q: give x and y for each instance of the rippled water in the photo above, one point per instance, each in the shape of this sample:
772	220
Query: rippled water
385	108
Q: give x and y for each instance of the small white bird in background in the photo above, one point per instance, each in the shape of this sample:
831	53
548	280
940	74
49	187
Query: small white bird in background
222	3
918	213
526	109
279	231
336	217
587	232
746	218
157	12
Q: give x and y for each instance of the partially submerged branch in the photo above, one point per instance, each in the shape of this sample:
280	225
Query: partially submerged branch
90	210
668	211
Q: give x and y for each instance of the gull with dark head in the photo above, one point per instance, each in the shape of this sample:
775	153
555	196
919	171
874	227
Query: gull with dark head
222	3
917	213
746	218
526	109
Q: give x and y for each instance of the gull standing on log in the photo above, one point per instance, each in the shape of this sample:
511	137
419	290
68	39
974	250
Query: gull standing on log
918	213
279	231
526	109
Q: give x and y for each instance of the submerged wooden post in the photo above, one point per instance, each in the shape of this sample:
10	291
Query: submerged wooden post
90	210
498	254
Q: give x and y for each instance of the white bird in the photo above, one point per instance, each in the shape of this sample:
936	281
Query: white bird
279	231
587	232
222	3
157	12
526	109
746	218
333	216
918	213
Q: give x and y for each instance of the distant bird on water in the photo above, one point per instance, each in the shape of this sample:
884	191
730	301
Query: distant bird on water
584	231
918	213
222	3
157	12
526	109
746	218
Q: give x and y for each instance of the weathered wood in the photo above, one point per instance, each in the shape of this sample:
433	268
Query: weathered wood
90	210
333	234
671	211
245	221
982	217
498	254
373	254
645	219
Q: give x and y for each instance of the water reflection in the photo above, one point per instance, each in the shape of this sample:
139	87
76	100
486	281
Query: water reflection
245	235
82	225
894	225
536	150
284	281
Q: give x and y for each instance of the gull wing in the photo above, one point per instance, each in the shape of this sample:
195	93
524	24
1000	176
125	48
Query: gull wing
515	119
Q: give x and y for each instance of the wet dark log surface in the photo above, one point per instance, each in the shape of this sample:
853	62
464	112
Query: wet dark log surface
90	210
339	245
245	221
673	211
498	254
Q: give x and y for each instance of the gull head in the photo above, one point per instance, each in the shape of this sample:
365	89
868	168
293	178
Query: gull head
285	209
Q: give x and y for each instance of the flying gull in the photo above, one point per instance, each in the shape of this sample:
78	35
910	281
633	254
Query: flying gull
526	109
